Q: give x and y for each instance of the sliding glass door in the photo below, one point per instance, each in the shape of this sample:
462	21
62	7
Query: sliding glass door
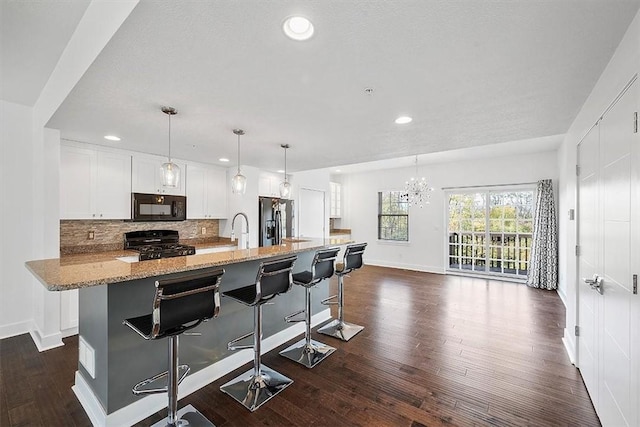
489	232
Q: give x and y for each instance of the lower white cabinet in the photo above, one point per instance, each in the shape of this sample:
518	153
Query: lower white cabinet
206	188
147	175
94	184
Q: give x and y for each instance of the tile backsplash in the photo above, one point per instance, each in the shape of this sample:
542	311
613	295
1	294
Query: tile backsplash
108	234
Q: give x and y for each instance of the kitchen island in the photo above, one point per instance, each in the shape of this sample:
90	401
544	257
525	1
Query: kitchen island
113	358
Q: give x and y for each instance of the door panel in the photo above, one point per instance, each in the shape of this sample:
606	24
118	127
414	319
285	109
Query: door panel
606	224
311	217
588	232
616	136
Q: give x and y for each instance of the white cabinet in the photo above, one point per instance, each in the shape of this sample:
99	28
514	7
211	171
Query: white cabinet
206	191
147	176
336	200
269	185
94	184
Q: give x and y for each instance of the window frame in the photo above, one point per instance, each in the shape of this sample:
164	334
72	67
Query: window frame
487	247
398	201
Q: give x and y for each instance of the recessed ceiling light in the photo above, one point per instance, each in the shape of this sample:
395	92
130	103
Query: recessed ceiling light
111	138
338	170
280	171
298	28
223	159
403	120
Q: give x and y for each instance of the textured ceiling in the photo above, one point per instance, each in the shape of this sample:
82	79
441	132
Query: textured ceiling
33	35
469	72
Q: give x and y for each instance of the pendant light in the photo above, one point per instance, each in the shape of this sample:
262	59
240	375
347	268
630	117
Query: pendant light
239	182
285	186
170	171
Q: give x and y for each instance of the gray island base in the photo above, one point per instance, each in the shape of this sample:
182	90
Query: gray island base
122	358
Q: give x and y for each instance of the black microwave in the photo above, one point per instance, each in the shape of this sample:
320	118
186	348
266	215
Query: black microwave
158	207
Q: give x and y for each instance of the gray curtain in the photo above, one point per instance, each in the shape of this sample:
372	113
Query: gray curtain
543	266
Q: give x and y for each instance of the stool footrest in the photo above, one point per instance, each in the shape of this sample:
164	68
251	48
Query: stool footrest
327	301
289	317
231	344
158	383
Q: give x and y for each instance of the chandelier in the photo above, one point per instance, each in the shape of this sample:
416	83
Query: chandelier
417	191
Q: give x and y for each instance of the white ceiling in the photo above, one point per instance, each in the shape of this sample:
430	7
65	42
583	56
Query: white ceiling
470	73
33	35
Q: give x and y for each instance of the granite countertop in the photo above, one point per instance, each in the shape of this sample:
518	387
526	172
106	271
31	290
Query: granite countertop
102	268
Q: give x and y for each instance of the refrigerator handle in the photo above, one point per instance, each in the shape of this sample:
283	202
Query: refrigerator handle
278	219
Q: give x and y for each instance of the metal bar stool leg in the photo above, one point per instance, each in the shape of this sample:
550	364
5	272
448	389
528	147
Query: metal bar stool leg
256	386
338	328
307	352
172	384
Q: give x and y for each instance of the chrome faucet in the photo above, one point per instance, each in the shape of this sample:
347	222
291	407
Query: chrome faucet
233	234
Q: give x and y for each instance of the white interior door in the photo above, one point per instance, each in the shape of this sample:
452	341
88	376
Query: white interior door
311	213
608	187
616	139
588	260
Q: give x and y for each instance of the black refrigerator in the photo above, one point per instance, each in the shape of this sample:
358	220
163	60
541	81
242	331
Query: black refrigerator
277	219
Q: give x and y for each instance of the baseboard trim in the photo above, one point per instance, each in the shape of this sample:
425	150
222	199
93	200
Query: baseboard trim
69	332
148	405
13	329
562	296
569	346
411	267
45	342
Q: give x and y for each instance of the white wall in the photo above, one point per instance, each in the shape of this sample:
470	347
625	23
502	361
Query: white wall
16	308
30	167
247	203
622	67
425	250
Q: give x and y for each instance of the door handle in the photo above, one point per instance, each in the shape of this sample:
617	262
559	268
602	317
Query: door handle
595	283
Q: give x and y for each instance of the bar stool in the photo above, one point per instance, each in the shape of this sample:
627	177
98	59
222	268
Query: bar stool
309	352
338	328
179	305
258	385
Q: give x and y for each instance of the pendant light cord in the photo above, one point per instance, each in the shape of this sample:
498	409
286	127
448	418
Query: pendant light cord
238	153
169	138
285	164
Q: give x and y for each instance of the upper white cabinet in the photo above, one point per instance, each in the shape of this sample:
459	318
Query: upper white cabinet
336	200
94	184
206	192
147	176
269	184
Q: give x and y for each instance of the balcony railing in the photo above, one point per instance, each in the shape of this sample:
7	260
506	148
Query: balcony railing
503	253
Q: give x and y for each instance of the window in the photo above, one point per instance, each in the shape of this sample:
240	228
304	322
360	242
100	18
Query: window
491	232
393	216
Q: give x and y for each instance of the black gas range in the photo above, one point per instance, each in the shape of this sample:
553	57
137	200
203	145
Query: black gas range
156	244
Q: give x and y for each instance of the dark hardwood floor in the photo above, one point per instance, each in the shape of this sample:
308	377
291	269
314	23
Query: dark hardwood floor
436	350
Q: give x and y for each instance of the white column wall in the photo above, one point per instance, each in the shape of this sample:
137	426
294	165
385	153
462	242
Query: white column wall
30	171
621	68
16	220
247	203
426	248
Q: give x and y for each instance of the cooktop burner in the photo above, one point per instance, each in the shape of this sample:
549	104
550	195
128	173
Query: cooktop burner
156	244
